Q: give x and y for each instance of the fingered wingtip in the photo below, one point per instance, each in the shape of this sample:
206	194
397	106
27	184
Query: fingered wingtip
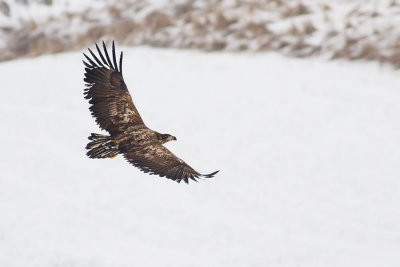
210	175
186	180
195	178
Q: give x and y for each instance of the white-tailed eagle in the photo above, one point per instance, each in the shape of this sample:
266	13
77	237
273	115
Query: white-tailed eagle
112	107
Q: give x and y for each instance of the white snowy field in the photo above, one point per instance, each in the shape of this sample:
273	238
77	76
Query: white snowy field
309	153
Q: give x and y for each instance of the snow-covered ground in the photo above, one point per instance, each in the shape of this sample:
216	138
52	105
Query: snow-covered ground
350	29
309	153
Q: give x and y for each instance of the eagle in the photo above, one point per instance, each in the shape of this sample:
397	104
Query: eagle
112	107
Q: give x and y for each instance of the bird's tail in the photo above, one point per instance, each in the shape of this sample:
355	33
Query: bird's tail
101	146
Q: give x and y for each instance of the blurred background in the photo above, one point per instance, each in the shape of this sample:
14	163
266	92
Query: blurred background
295	101
336	29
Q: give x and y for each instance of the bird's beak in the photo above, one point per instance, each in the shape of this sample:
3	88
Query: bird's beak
171	138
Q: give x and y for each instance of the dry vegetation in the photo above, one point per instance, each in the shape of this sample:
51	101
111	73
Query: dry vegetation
297	28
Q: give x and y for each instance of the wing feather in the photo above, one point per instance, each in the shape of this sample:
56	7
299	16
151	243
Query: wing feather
111	103
95	58
114	57
157	159
106	53
120	62
101	55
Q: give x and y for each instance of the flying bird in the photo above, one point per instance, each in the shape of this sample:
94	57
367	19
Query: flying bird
112	107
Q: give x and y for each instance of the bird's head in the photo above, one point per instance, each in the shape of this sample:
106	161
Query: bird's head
163	138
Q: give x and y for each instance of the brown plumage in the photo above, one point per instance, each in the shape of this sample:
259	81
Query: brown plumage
114	111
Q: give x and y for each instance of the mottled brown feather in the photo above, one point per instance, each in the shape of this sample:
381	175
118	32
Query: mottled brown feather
157	159
111	103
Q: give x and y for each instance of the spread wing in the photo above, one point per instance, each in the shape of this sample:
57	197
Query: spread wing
157	159
111	103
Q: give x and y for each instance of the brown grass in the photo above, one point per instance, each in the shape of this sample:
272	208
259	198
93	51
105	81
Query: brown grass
192	26
4	8
156	21
298	9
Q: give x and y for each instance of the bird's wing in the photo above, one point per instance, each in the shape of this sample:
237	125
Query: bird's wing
111	103
157	159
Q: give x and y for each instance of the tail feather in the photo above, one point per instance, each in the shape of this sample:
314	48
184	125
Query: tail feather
101	146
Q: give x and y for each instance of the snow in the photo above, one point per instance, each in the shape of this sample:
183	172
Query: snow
352	29
36	10
308	150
